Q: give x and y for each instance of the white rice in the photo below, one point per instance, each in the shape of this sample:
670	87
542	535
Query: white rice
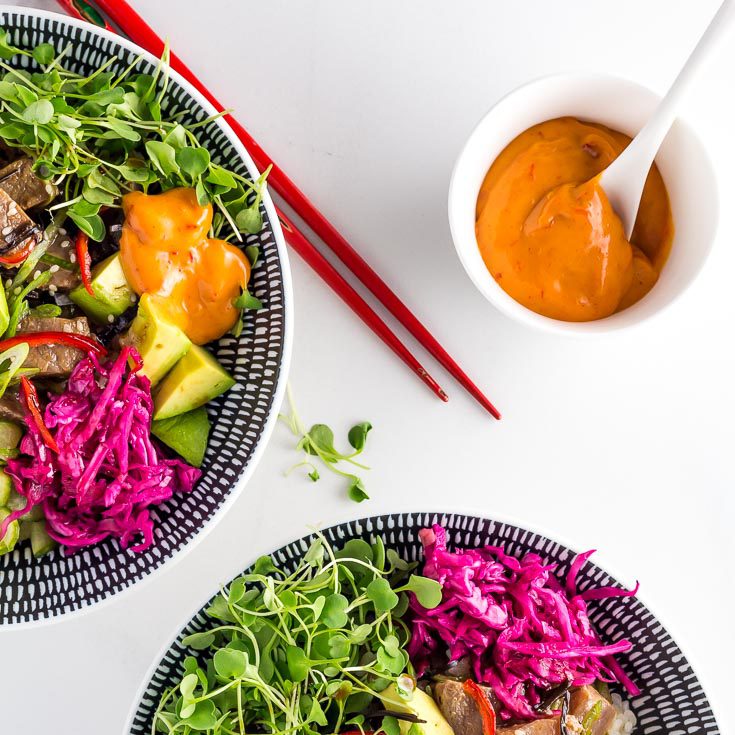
624	722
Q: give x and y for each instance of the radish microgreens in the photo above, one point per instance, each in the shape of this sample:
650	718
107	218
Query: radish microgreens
318	442
100	136
299	653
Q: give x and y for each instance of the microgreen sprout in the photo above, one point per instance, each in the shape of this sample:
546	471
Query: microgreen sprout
318	442
301	652
100	136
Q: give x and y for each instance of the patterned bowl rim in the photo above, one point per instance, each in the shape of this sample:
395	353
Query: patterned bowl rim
288	317
465	511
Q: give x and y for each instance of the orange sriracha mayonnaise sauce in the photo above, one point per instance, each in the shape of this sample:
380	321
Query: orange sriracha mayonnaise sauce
166	252
548	234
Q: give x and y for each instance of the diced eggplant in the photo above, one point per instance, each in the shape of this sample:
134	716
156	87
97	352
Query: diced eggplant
16	227
461	669
53	360
583	700
62	279
458	707
460	710
20	182
11	408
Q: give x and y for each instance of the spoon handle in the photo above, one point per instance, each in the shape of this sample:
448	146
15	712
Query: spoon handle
657	127
625	182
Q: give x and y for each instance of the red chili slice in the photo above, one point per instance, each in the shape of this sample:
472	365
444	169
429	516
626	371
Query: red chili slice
34	407
21	255
85	262
137	362
35	339
487	713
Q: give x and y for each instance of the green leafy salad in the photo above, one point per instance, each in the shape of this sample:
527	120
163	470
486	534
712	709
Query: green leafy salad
302	652
122	258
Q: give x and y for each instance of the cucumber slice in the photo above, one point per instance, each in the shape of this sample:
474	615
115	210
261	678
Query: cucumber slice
6	487
10	539
17	502
10	435
41	542
25	532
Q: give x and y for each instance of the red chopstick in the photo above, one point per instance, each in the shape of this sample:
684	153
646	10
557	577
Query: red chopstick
342	288
133	26
309	253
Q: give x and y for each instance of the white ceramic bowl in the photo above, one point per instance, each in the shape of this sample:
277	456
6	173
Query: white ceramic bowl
619	104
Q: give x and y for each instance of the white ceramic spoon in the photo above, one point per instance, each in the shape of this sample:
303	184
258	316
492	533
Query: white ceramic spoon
623	180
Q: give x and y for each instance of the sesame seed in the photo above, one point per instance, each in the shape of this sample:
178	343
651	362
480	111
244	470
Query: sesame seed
65	243
9	283
54	268
72	258
133	298
52	288
7	230
62	231
37	274
16	290
110	318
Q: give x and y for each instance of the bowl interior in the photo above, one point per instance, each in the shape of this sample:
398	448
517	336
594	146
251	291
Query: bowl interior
624	106
672	699
34	590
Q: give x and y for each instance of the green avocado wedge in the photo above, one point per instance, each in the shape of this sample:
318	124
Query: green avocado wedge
112	293
161	343
195	379
186	434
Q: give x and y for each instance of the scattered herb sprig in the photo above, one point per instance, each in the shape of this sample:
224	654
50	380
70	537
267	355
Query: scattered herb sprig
299	653
318	442
246	301
97	137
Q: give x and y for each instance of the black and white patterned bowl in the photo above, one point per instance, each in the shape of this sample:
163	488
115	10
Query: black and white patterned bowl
672	700
33	591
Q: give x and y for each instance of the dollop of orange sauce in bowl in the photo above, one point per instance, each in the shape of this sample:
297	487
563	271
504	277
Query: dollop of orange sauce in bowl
167	253
548	234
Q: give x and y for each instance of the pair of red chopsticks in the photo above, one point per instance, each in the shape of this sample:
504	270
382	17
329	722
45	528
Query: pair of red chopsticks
118	16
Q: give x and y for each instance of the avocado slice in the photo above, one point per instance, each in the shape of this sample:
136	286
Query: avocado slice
419	704
160	343
196	379
112	293
186	434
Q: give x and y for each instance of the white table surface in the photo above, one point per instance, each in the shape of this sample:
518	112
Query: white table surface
623	444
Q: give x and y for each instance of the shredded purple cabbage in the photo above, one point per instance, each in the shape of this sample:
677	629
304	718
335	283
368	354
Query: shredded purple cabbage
523	632
108	473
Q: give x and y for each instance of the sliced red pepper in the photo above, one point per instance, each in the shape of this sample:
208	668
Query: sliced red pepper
85	262
34	407
487	713
137	362
21	255
36	339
